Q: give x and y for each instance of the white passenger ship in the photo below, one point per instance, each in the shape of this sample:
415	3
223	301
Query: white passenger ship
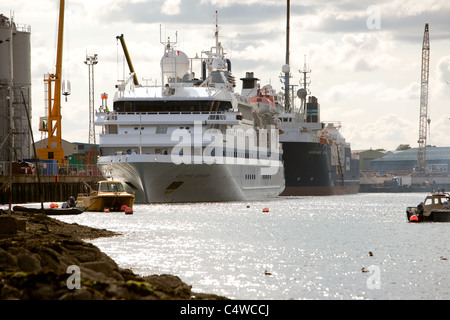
191	139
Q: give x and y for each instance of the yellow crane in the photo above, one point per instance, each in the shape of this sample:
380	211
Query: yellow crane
127	57
54	150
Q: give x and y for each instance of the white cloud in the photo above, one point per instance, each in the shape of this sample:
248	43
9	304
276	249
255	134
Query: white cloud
353	52
171	7
359	75
229	3
386	132
443	77
402	8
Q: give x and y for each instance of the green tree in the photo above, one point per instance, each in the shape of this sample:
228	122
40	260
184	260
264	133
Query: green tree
403	147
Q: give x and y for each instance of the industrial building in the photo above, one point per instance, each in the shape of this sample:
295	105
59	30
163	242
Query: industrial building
15	90
366	156
437	161
398	172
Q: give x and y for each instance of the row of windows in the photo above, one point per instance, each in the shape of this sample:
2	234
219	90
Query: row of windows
252	176
172	106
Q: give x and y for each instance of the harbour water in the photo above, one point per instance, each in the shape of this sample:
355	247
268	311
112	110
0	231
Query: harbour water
303	248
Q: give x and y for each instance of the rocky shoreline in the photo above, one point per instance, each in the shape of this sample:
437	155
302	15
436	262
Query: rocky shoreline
42	258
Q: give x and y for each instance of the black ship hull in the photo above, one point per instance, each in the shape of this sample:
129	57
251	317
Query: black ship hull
310	171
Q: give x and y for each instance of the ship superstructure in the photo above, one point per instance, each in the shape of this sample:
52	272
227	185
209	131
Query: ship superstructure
317	159
191	139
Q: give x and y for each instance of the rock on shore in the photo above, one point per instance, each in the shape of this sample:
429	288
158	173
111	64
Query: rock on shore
36	251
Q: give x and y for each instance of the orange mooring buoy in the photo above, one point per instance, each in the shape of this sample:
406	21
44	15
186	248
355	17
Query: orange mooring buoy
413	219
266	210
128	210
123	207
107	210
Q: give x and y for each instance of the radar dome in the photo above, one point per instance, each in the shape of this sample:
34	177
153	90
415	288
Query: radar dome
218	64
301	93
175	64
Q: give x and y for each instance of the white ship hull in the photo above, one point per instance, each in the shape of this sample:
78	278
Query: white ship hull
155	178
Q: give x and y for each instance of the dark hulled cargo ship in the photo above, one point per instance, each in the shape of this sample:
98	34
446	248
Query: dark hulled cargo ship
317	159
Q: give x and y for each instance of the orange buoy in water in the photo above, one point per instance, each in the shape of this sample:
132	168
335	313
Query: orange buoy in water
123	207
53	205
128	210
107	210
413	219
266	210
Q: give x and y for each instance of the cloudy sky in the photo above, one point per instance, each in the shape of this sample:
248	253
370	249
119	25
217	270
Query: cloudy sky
365	56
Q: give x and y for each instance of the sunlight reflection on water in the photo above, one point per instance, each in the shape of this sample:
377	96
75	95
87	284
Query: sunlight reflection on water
313	247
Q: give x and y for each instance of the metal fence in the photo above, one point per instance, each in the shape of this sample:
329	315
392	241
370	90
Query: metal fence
48	169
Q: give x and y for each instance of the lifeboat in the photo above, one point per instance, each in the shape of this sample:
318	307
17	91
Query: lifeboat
265	102
326	138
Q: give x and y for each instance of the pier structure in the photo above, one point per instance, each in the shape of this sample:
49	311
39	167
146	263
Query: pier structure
53	188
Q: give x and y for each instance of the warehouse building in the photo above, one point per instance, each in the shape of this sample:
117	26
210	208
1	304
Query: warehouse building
437	159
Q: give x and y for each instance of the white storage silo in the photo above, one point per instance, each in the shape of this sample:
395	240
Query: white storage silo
15	70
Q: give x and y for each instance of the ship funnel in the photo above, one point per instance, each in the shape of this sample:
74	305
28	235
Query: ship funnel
249	85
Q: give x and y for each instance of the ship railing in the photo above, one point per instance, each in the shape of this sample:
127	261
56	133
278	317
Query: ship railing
23	28
335	124
115	113
118	116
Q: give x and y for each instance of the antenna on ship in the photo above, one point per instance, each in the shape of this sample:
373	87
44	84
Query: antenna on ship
303	92
217	33
168	44
286	67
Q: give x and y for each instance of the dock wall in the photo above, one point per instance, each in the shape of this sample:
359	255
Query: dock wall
56	188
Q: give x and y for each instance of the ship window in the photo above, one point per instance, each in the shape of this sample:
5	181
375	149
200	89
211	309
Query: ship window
161	129
111	187
172	106
112	129
128	106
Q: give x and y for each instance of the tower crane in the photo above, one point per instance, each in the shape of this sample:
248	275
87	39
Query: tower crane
423	122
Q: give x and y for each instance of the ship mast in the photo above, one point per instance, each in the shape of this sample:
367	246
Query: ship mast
286	70
217	35
303	92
